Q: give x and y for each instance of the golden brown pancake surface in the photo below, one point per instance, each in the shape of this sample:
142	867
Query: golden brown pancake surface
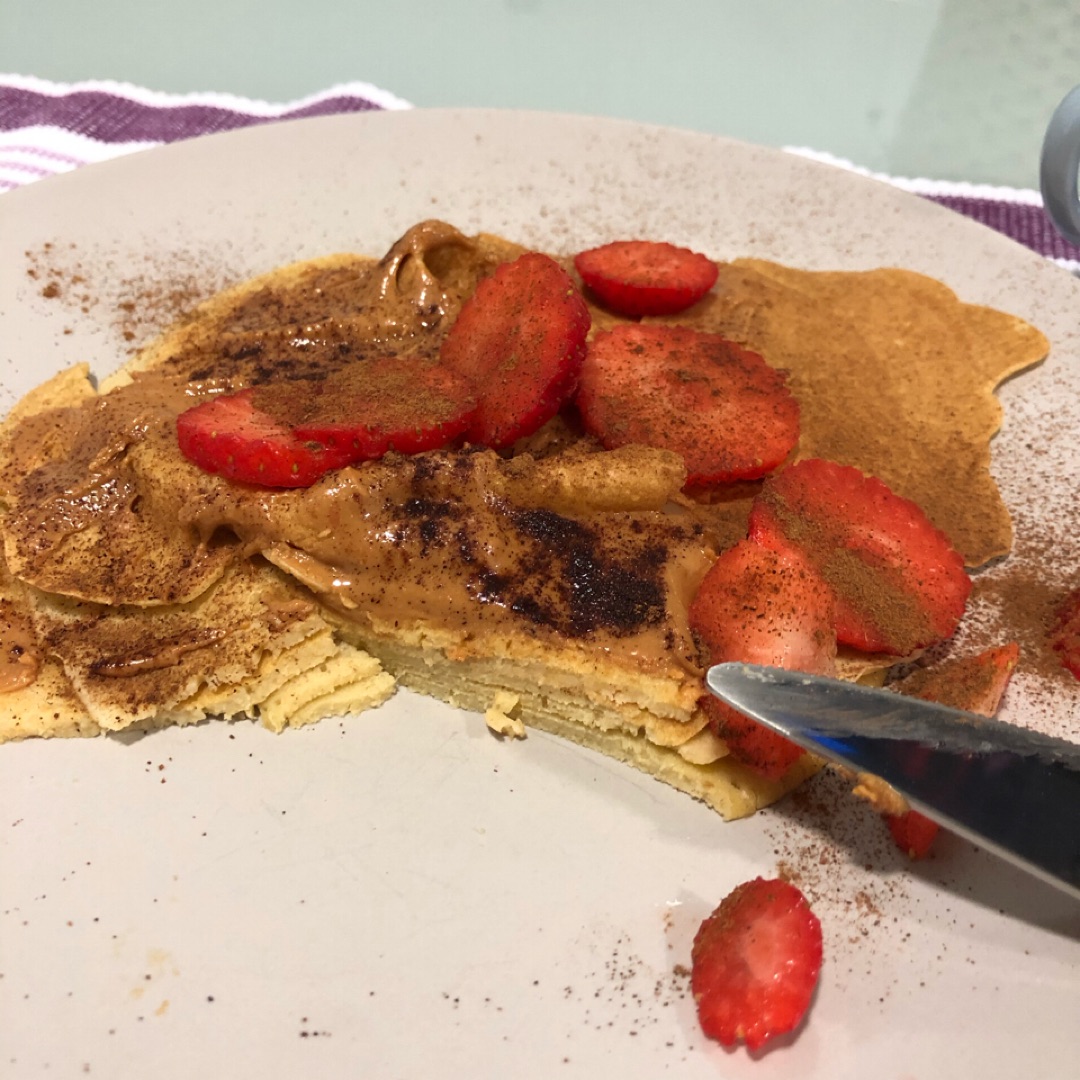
555	579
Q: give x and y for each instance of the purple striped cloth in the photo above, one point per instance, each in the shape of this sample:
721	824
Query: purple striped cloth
1027	223
48	128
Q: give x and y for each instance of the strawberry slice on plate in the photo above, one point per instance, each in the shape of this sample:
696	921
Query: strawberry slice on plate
520	340
230	436
402	403
755	963
973	683
898	583
645	277
720	406
759	606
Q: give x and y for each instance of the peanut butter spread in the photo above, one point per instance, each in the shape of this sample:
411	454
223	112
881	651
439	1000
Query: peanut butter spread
167	594
467	545
458	541
19	659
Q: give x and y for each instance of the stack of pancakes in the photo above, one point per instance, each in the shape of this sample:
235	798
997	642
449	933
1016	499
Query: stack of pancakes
546	587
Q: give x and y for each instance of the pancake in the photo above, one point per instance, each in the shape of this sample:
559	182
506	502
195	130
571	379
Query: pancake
893	374
127	664
547	587
249	634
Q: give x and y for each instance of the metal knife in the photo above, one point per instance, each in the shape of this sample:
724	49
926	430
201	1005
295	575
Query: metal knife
1013	791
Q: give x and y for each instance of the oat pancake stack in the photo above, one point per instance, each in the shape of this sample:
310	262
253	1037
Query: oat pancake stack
138	591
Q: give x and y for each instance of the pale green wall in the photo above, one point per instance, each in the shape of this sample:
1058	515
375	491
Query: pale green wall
956	89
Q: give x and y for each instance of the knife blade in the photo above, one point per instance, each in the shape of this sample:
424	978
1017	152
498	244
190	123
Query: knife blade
1013	791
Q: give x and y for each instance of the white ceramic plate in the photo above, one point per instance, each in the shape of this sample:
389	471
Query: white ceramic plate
401	895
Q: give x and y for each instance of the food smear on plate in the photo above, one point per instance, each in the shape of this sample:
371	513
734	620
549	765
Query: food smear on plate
240	522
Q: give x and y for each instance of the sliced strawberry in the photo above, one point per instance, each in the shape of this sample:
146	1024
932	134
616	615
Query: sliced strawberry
228	435
402	403
913	832
755	963
759	606
1065	632
720	406
972	683
643	277
898	583
520	340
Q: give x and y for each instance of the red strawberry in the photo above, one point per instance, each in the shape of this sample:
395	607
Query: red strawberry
520	340
759	606
1065	633
228	435
972	683
755	963
720	406
914	834
643	277
402	403
897	581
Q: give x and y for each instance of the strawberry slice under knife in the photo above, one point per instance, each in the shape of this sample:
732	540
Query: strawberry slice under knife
973	683
758	606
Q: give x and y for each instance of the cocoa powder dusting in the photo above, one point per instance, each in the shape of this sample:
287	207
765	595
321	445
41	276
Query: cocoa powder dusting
153	290
953	684
1018	601
876	588
829	844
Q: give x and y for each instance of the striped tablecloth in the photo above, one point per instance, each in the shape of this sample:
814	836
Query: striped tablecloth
48	128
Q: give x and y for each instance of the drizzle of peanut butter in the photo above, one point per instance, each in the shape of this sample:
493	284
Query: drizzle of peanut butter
464	542
19	655
162	655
